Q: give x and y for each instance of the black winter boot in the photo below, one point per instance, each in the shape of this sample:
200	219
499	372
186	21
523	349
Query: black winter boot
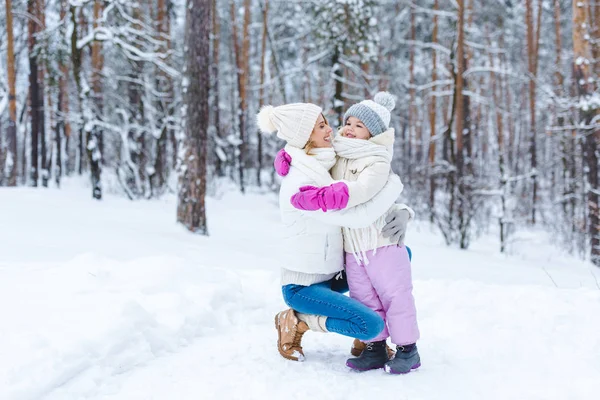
374	356
407	358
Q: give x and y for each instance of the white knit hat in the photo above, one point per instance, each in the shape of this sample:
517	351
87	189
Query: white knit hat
293	122
375	114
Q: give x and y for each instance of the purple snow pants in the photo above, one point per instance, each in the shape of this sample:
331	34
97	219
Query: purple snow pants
385	286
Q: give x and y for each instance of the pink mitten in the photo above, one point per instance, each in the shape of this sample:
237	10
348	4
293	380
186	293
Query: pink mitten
332	197
282	162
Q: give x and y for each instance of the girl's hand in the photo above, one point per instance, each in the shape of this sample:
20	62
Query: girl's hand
282	163
311	198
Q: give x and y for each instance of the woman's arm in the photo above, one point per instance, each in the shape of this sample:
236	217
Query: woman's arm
344	194
364	214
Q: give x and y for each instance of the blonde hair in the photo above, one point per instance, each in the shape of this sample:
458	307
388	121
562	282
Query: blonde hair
310	145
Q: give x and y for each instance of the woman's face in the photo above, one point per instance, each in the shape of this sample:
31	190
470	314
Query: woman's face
321	134
355	129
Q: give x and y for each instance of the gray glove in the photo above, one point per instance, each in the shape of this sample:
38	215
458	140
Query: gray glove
395	227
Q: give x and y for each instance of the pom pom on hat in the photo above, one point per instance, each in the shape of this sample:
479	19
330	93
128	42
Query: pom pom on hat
385	99
263	119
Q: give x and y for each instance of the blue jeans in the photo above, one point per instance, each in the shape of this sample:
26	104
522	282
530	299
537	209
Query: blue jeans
345	316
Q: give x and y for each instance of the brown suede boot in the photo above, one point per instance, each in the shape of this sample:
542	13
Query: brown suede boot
358	347
289	335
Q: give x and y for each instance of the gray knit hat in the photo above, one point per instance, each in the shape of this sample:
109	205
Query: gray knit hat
375	114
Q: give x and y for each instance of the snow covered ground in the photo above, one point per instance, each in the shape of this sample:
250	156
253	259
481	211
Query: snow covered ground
113	300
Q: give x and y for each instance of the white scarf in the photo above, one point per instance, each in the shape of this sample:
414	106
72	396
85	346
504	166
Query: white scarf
380	146
324	155
314	167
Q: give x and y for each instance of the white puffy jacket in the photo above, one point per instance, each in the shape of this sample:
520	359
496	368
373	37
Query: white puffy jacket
313	242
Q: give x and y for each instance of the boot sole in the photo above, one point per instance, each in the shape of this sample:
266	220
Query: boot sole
284	355
390	371
355	368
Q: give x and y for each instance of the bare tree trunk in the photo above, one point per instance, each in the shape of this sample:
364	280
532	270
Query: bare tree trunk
242	63
41	18
432	116
191	209
245	71
568	190
338	101
216	41
469	122
63	103
411	107
139	136
95	142
59	124
532	48
24	110
76	60
63	124
164	84
460	124
496	82
34	93
261	93
581	68
11	131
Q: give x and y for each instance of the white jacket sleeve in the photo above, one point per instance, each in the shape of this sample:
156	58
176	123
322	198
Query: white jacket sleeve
364	214
370	182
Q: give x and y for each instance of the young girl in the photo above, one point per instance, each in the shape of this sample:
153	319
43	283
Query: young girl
378	271
313	244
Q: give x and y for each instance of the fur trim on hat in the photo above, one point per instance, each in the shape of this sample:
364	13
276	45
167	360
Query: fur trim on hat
263	119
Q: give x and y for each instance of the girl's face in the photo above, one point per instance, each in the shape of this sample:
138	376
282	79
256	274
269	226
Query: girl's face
321	134
355	129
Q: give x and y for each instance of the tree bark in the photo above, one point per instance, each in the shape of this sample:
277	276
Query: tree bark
411	107
191	208
338	101
11	131
432	115
95	137
63	124
261	94
164	84
76	60
242	63
461	124
34	93
41	18
532	48
581	70
460	112
220	164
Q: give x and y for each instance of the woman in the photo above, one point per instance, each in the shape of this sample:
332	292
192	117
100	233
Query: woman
313	254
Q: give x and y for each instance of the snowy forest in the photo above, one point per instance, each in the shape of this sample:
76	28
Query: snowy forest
146	251
496	118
